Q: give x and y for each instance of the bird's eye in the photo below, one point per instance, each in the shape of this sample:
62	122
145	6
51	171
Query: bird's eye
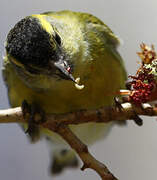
58	39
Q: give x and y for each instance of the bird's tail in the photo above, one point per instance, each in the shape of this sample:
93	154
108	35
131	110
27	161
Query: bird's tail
63	158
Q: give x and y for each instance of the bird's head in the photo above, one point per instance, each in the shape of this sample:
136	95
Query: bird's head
35	46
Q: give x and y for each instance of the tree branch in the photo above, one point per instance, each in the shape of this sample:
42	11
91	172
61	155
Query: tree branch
59	124
101	115
82	150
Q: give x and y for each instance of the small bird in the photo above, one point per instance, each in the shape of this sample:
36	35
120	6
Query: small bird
60	62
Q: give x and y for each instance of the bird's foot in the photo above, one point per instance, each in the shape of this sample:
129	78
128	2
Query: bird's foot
35	115
136	118
118	104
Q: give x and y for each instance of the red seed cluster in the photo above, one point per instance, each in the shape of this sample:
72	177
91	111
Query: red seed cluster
142	86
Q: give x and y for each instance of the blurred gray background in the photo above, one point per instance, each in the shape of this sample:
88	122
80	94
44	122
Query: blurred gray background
130	152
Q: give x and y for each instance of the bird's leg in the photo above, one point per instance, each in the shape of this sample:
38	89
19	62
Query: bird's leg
36	116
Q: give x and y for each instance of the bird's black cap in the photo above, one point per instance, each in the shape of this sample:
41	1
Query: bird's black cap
29	43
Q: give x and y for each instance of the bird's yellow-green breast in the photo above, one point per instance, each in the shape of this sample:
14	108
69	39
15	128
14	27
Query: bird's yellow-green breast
91	49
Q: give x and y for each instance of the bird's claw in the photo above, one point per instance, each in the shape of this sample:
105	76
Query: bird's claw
35	118
137	120
25	108
118	104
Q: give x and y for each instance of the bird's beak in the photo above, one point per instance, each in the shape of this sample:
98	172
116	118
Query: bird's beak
65	69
